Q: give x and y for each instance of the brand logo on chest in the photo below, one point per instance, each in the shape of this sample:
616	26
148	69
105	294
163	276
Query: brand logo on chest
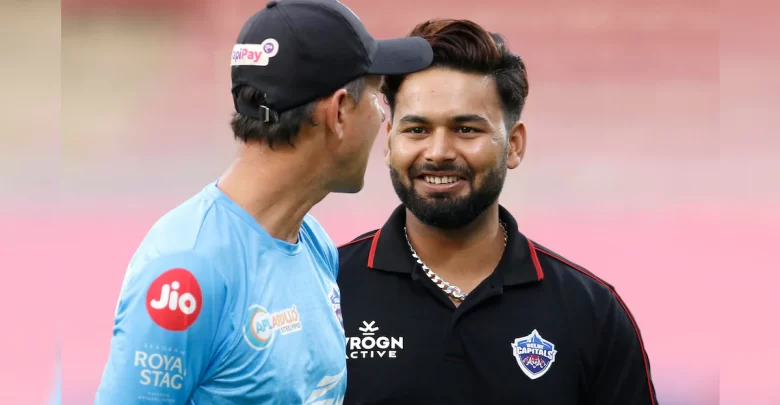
372	345
262	326
534	354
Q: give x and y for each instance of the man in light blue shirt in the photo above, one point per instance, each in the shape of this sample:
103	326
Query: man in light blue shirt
231	297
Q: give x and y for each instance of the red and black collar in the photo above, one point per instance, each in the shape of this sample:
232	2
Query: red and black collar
389	251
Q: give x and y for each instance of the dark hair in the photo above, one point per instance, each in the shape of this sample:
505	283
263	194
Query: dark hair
465	46
248	129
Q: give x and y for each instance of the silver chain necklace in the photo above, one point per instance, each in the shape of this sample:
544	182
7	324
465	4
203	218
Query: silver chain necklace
451	290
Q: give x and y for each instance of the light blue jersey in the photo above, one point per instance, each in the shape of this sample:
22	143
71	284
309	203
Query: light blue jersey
213	311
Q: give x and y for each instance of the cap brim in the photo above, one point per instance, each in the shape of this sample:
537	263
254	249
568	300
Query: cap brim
401	56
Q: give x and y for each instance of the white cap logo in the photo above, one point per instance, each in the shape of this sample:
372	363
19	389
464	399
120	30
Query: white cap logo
253	54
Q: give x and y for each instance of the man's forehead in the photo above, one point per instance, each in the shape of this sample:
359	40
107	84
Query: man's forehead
443	93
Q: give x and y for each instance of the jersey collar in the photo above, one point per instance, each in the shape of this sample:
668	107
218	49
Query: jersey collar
389	251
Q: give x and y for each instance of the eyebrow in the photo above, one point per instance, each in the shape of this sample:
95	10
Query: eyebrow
458	119
415	119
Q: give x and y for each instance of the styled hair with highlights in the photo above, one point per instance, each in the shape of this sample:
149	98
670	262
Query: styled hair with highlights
465	46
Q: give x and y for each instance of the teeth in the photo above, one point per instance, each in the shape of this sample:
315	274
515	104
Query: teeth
441	180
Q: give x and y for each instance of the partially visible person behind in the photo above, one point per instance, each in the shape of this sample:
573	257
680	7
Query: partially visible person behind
448	303
232	298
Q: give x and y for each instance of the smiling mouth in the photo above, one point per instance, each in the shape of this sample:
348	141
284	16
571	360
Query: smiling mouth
440	179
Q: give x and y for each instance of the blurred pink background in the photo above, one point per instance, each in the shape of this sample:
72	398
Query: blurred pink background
624	174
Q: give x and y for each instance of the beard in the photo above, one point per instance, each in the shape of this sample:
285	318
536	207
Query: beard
442	210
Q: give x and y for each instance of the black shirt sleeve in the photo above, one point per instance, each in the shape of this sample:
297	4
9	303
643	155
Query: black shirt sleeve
622	375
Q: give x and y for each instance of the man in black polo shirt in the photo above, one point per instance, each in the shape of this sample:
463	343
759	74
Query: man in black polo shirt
448	303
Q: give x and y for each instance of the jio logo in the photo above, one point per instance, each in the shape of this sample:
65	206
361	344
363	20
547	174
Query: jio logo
259	330
174	299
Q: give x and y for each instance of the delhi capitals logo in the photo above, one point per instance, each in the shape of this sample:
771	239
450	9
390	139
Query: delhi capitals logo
534	355
335	303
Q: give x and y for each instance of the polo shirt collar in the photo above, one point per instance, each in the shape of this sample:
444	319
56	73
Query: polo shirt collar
390	252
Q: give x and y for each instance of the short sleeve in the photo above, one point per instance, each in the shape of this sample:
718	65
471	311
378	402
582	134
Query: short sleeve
164	331
623	369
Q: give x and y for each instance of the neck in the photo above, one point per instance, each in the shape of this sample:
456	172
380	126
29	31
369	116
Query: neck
277	187
477	245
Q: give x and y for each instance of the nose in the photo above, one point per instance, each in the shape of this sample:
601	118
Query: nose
440	148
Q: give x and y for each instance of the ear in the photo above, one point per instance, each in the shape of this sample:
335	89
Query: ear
387	144
517	142
335	112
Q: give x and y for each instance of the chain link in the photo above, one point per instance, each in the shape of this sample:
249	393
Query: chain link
451	290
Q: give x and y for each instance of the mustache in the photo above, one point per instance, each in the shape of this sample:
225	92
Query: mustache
462	171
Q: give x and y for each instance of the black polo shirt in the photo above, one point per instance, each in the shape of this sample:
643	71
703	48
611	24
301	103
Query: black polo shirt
539	330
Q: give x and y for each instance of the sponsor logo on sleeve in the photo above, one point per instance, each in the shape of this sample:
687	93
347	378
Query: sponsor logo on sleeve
162	369
174	300
160	366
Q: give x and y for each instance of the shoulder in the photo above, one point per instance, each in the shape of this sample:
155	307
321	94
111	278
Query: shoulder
561	266
183	227
154	281
313	228
186	267
205	227
318	239
584	287
361	244
184	239
617	341
363	240
579	283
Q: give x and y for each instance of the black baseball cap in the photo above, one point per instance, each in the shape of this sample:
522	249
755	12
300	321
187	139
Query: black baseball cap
296	51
